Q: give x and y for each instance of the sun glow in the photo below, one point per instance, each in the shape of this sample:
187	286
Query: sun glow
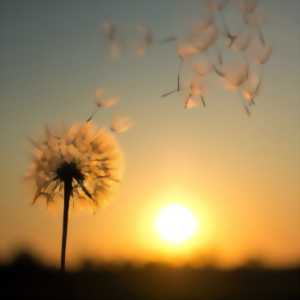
175	224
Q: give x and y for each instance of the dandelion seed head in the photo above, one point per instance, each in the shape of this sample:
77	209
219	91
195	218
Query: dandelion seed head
88	157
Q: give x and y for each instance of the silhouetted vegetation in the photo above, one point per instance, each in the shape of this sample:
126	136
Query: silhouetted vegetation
26	278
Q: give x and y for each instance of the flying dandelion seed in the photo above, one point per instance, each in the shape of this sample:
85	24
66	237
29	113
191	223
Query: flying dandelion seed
187	50
206	39
263	55
109	30
178	88
227	33
191	102
242	41
255	20
146	39
111	34
121	124
219	55
102	103
196	92
81	164
233	76
251	88
107	103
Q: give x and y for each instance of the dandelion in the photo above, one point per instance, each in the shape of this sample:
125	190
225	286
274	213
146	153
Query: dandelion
80	164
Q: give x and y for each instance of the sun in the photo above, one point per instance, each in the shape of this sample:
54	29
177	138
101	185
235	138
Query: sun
175	224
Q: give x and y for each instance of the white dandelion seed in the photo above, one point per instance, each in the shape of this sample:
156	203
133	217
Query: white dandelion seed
256	20
80	164
107	102
121	124
102	102
250	90
196	93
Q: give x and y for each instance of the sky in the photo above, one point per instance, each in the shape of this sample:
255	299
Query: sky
239	176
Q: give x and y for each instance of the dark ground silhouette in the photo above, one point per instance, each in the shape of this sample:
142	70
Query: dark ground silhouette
26	278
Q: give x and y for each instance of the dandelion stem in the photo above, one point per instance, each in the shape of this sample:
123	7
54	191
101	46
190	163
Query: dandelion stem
67	195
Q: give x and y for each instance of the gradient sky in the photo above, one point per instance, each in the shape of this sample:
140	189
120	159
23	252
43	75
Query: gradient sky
240	176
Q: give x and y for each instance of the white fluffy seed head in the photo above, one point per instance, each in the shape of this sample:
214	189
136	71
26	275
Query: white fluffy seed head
92	154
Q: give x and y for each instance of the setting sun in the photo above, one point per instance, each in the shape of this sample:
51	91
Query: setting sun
175	224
